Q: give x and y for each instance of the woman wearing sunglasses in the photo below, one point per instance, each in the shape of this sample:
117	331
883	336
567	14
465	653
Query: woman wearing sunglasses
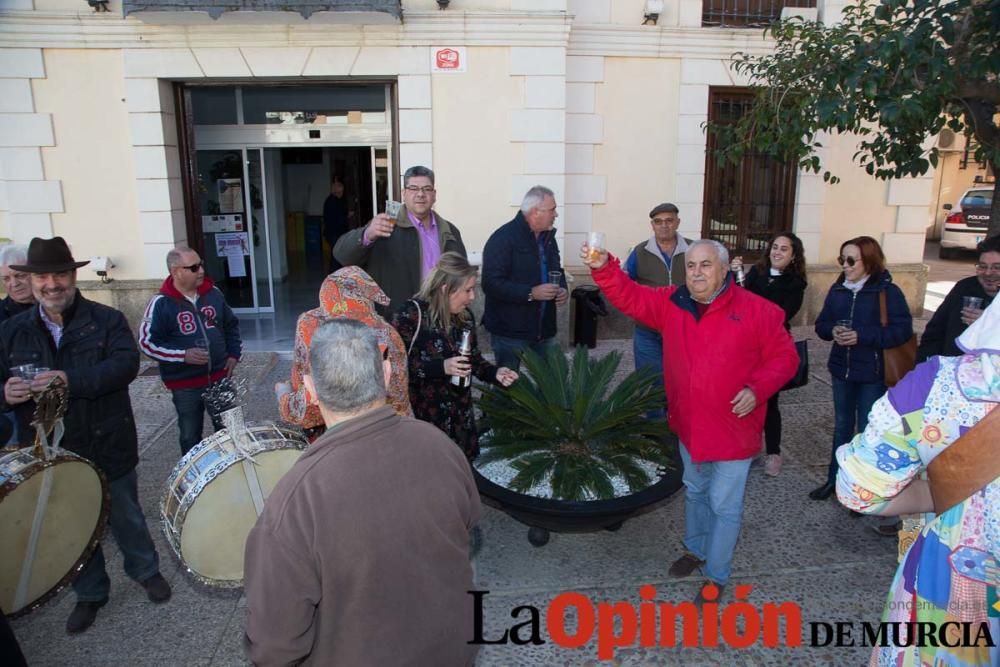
850	318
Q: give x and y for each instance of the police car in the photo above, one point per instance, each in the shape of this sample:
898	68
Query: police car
966	224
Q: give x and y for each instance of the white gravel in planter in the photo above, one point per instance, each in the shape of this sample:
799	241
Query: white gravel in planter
501	472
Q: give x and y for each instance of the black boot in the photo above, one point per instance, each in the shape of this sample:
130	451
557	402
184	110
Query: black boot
823	492
83	616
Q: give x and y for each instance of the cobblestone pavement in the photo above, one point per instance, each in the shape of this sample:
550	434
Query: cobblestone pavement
791	549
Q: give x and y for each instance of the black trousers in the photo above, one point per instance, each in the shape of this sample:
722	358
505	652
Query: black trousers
772	426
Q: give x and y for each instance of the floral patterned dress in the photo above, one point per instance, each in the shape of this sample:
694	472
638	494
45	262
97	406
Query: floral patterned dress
434	398
349	293
948	572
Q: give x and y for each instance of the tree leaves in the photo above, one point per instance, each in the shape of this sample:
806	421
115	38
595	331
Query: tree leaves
893	73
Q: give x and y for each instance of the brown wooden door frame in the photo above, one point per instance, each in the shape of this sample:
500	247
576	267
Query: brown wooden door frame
778	190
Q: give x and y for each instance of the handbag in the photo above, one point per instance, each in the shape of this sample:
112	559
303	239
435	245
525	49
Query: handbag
896	361
801	377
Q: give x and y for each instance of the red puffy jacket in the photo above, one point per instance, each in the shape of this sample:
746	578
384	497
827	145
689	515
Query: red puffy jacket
739	342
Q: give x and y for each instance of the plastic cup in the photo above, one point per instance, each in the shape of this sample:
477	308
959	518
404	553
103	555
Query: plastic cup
598	243
392	209
26	372
555	277
973	302
845	324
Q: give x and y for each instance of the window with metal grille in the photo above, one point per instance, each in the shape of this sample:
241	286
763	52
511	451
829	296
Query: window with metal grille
745	203
746	13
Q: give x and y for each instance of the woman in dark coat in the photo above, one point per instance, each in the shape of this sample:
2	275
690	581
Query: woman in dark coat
850	318
431	326
780	277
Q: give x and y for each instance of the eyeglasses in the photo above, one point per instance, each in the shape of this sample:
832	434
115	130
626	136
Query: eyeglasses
850	261
661	222
414	189
995	268
194	268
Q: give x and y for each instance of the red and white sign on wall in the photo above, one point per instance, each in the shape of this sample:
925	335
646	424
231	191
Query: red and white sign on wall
448	59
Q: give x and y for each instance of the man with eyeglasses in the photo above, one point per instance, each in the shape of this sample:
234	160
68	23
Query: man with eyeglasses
399	252
959	309
89	347
192	332
656	262
520	262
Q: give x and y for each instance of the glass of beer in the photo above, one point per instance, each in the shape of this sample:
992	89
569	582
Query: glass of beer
597	242
392	209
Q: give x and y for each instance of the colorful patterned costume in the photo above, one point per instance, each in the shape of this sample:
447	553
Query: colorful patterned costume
949	571
349	293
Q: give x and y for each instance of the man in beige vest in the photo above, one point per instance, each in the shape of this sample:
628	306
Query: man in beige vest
657	262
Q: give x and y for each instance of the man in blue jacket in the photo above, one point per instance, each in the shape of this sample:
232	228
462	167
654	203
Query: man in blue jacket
520	310
190	329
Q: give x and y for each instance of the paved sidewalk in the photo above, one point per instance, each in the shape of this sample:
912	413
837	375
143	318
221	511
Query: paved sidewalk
792	548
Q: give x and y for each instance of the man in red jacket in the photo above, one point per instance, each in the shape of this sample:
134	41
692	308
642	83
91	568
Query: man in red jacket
729	352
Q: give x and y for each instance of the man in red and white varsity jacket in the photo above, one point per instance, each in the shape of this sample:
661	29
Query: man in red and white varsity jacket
190	329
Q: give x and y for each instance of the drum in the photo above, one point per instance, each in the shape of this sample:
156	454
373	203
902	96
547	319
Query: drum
52	513
215	494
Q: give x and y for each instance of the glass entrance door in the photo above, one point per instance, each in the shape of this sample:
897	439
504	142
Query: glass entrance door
232	200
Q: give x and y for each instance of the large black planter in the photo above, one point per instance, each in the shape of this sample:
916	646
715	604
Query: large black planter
543	515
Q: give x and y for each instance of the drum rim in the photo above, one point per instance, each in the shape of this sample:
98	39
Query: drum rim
184	504
64	456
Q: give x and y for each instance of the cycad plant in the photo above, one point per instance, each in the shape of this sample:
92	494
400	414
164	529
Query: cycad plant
566	426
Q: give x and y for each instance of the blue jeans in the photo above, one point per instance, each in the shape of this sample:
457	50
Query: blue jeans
852	401
191	407
713	511
128	525
647	347
507	350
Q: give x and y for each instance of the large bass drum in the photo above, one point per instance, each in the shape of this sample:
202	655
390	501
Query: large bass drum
52	513
215	494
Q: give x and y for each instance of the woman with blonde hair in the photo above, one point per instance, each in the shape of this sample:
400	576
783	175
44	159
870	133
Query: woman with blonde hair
432	325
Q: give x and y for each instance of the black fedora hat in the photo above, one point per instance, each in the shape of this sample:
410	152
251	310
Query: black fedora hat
49	256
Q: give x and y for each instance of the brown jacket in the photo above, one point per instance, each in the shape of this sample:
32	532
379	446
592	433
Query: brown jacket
361	556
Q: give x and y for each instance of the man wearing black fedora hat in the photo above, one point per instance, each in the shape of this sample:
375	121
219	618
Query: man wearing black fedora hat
90	347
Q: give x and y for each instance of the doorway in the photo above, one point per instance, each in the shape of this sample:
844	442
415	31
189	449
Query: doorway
262	219
260	160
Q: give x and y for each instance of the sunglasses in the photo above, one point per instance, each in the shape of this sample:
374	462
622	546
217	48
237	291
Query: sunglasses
194	268
850	261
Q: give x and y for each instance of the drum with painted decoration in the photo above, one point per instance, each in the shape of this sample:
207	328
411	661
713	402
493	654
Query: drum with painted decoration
52	514
215	494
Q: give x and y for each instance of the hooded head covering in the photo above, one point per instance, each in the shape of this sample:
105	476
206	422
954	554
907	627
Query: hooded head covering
350	290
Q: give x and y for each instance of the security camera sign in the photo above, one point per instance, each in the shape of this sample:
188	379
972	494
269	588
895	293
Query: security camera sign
448	59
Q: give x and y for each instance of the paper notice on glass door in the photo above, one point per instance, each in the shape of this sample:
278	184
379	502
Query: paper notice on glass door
230	195
234	246
237	267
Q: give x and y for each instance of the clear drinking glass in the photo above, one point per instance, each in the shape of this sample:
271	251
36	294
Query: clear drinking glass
26	372
555	277
845	324
973	302
598	243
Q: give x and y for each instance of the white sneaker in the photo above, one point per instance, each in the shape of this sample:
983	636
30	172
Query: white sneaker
772	465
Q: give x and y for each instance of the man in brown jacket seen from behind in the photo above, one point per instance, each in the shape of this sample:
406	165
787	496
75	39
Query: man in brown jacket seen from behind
361	556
